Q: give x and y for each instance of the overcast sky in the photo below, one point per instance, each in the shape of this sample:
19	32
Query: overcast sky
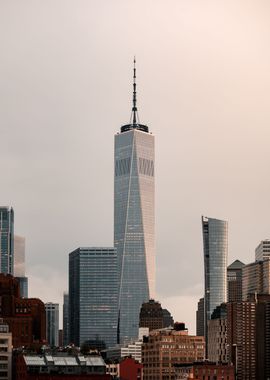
203	89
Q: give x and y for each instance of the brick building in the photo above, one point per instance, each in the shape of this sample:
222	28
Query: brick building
24	316
203	371
166	347
60	366
154	317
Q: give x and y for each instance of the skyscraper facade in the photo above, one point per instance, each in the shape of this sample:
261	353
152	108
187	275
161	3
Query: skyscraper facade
6	240
19	264
66	320
52	323
93	290
134	220
262	251
215	246
234	277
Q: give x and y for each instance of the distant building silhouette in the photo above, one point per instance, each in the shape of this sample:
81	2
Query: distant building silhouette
52	323
66	340
6	240
234	278
200	318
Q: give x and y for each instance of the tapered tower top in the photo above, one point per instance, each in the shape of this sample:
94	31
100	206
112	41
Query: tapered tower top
134	120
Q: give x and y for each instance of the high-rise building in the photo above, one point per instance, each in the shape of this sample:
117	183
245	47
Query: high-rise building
256	278
241	338
6	240
93	291
66	320
19	264
262	336
52	323
234	277
217	335
263	250
200	318
215	247
134	220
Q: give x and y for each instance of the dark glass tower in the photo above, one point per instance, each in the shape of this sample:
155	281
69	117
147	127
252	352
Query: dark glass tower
215	247
134	220
6	240
93	287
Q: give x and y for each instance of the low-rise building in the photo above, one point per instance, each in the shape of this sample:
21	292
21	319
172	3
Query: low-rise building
5	351
203	371
60	366
166	347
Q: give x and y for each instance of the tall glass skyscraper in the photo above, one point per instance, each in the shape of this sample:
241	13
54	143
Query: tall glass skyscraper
134	220
6	240
93	289
52	323
215	247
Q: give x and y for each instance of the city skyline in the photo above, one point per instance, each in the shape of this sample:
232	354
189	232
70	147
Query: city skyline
204	96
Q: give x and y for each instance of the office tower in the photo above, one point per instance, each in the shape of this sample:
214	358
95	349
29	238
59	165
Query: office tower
234	278
134	220
166	348
217	335
26	317
151	315
93	290
7	240
263	250
19	264
256	278
52	323
215	247
5	351
200	318
66	320
168	320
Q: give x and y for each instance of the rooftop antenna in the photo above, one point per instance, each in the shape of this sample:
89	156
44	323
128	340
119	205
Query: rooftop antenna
134	108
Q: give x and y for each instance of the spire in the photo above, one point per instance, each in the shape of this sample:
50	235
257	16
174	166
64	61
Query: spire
134	108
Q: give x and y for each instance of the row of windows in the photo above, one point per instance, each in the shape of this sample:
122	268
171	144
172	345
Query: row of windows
122	167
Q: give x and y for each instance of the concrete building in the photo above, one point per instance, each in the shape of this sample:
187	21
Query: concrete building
6	240
200	318
165	348
133	350
52	323
66	320
234	278
217	335
262	252
256	278
5	351
215	248
19	264
93	295
134	220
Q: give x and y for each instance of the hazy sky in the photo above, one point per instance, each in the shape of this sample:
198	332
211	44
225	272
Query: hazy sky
203	89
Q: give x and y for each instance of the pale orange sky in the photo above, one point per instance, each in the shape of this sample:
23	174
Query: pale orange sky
203	89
